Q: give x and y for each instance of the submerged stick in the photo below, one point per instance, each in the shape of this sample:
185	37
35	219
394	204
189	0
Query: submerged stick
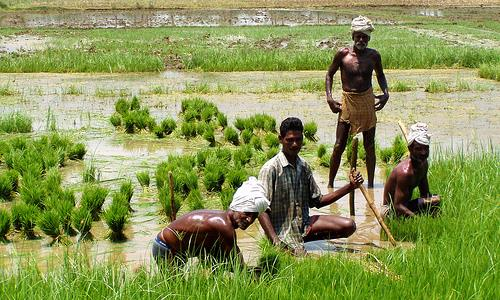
403	130
371	203
173	213
354	159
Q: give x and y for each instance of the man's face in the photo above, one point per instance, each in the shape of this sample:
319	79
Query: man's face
292	142
244	219
419	152
360	40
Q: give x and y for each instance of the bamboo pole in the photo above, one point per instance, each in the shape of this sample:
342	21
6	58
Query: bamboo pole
173	213
403	130
354	159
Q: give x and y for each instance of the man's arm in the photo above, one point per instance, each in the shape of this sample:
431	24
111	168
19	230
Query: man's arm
267	177
355	179
334	66
267	226
382	82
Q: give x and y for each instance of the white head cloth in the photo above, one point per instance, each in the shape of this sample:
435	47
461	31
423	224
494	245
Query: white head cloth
418	133
250	197
362	24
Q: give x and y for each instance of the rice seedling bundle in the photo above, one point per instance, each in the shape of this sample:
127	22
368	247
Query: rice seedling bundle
490	71
135	104
188	129
201	157
325	161
4	223
77	151
81	219
6	187
116	119
243	155
435	86
175	164
127	190
208	113
231	136
271	152
200	128
222	119
399	148
13	176
15	123
209	136
256	143
271	140
29	214
264	122
143	178
52	158
185	181
236	176
226	196
49	223
195	200
385	154
241	124
93	197
214	174
321	150
53	180
116	216
310	129
33	191
90	174
246	135
224	155
168	126
129	123
122	106
164	198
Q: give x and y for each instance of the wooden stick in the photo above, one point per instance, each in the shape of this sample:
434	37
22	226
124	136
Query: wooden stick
354	159
173	213
371	203
403	130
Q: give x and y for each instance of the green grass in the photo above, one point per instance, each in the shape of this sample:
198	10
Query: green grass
401	86
15	123
490	71
142	50
5	222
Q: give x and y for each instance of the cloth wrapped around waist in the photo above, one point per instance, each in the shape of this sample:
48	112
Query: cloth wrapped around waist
358	109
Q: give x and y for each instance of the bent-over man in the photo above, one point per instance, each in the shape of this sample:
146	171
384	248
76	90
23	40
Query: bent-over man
357	107
409	174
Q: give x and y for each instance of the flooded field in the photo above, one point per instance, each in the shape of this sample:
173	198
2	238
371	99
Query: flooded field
460	120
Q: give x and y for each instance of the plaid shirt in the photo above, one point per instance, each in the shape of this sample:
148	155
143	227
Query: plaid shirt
291	191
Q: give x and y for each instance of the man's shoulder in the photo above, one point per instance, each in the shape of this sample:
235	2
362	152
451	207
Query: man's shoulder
343	51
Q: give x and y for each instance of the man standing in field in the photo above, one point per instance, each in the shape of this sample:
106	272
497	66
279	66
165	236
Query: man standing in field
357	107
211	232
409	174
292	190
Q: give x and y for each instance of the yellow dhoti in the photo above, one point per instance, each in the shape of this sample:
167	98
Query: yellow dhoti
358	109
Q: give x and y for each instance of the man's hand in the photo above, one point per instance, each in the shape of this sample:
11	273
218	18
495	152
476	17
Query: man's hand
355	178
382	100
335	106
432	199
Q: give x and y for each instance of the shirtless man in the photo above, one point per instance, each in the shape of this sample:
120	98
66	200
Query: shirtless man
357	107
409	174
211	232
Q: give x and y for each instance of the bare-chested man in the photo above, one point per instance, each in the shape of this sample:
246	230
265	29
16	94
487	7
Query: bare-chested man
211	232
409	174
357	107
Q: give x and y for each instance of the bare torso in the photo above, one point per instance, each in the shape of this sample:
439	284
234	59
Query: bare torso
356	69
405	178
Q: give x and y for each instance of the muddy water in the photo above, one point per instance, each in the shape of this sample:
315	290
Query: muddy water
457	120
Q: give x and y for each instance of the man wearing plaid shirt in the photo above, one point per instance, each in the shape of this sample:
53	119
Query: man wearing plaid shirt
291	190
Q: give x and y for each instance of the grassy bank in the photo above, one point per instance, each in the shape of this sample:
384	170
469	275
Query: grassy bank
233	49
455	257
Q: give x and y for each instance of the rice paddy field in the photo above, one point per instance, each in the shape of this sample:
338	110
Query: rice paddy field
99	100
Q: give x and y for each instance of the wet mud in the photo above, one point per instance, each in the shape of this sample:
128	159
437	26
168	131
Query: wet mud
462	120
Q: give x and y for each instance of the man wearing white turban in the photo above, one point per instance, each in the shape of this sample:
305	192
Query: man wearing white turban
409	174
211	232
357	106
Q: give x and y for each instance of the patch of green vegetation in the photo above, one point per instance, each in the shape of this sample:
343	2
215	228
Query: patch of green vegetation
116	216
81	218
401	86
435	86
4	224
143	178
15	123
231	135
310	129
6	90
72	90
490	71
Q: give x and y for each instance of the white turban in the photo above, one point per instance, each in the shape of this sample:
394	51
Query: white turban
362	24
418	133
250	197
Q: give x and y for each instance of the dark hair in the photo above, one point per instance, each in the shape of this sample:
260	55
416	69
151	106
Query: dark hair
290	123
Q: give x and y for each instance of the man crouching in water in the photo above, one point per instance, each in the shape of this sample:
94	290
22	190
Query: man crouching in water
410	173
211	232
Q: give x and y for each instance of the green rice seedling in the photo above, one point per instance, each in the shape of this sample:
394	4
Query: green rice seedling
129	123
226	196
271	140
5	187
188	130
313	85
91	173
33	191
271	152
208	113
310	129
16	212
168	125
269	123
49	223
195	200
435	86
50	123
4	224
116	119
490	71
246	135
122	106
53	181
321	150
191	115
72	90
143	178
224	155
201	157
385	154
13	176
243	155
185	181
164	198
100	92
64	208
325	161
462	86
81	218
77	151
196	88
6	90
52	158
256	143
29	214
127	190
15	123
231	135
222	119
399	148
93	197
214	174
269	260
209	136
142	119
135	104
116	216
200	128
236	176
158	132
240	123
280	87
401	86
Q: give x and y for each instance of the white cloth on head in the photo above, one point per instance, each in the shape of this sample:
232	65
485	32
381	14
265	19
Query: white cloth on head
362	24
250	197
419	133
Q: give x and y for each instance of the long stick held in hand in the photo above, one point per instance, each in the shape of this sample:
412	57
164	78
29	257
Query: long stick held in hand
354	159
173	213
